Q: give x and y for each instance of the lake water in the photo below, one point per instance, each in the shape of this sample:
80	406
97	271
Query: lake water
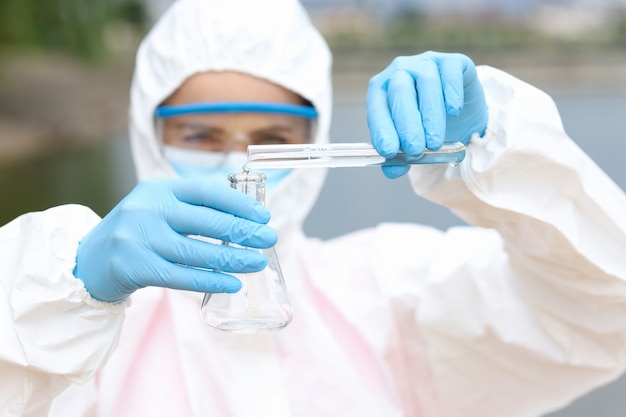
352	198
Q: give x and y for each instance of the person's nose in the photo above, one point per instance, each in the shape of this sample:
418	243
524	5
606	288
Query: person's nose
239	147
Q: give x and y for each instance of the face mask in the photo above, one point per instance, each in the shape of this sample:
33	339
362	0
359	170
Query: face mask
215	166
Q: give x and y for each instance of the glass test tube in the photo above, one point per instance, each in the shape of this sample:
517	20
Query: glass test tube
337	155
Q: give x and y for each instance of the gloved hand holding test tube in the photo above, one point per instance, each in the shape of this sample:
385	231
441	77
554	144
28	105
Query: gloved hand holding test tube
343	155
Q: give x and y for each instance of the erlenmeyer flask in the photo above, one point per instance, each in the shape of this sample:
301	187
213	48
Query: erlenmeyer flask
262	304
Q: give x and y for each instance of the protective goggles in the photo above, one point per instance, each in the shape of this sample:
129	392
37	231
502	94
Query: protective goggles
231	126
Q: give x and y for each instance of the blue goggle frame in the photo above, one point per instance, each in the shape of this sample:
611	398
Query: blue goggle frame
236	107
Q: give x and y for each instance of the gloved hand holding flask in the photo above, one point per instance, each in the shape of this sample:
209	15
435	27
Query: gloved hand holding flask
143	240
422	101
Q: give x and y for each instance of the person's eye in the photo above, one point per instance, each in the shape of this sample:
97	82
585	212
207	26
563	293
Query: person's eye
197	137
204	138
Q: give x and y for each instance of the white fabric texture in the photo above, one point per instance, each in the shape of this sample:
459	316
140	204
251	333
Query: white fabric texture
513	316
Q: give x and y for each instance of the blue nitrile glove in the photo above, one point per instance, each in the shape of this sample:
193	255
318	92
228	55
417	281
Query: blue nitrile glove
142	241
423	101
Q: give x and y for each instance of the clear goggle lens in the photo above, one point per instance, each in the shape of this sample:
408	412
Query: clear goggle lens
231	126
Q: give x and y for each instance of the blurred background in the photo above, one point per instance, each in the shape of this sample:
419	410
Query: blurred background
66	67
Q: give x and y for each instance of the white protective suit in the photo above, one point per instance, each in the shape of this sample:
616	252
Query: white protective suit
512	317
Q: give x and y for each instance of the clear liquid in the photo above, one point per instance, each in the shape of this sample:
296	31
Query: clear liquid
242	326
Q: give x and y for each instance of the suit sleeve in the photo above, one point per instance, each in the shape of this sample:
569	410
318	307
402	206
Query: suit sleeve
53	332
527	311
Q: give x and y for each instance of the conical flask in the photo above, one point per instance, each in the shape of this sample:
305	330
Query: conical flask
262	304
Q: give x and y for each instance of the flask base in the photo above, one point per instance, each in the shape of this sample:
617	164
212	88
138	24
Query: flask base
247	326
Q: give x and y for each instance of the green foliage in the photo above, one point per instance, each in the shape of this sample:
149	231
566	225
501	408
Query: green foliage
620	28
74	26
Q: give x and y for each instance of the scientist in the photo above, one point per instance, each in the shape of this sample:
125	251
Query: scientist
515	315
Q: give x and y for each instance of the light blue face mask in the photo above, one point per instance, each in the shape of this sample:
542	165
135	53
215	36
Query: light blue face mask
215	166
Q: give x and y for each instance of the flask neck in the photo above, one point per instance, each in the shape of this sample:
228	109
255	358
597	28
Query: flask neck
250	183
